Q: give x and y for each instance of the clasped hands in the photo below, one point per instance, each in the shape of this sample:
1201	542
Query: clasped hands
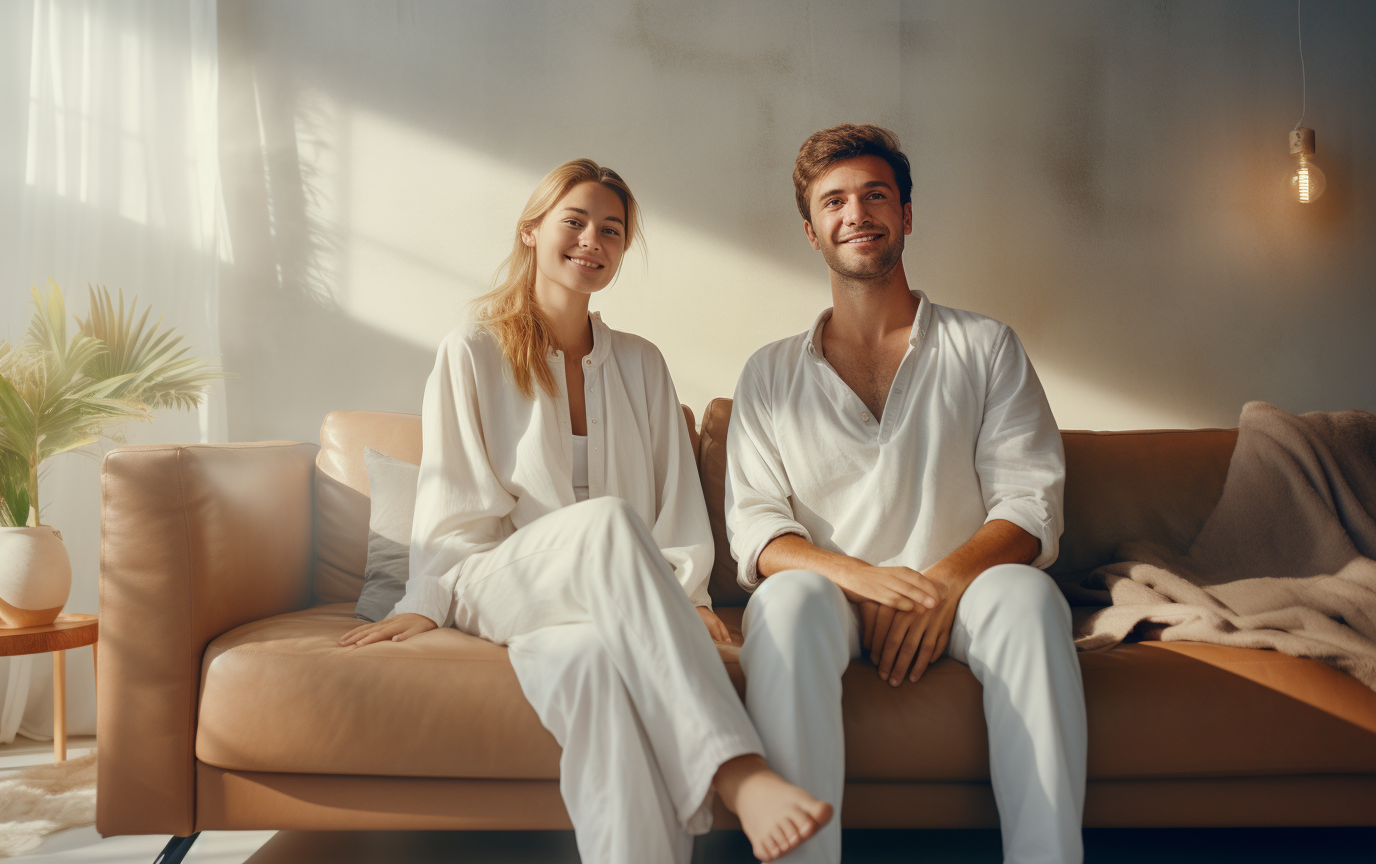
906	615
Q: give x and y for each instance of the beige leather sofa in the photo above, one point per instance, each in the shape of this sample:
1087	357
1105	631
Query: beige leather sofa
228	572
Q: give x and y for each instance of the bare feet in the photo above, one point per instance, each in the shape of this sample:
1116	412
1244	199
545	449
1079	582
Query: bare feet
776	815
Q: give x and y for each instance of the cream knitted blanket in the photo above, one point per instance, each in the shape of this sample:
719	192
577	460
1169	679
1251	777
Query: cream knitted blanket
1285	560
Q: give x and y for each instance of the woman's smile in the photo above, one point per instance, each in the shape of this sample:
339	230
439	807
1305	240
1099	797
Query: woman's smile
585	262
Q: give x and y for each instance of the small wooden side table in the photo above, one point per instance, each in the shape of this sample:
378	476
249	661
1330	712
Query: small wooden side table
71	630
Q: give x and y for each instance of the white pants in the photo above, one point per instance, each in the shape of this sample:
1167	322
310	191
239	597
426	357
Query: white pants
620	668
1012	628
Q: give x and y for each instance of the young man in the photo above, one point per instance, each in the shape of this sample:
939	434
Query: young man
891	475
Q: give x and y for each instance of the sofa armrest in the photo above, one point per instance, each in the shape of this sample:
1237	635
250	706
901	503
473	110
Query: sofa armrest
196	539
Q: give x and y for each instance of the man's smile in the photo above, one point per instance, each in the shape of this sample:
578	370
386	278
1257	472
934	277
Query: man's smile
861	239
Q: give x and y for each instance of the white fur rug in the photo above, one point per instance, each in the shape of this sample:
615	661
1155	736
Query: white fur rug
40	800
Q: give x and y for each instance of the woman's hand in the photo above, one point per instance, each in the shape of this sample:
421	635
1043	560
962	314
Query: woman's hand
398	628
715	628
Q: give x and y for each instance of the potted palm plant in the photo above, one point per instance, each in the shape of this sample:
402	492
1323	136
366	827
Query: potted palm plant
57	394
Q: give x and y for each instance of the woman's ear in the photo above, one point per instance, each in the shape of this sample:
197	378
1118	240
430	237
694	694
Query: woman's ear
530	235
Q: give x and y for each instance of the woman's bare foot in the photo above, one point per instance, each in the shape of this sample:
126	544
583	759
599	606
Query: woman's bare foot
776	815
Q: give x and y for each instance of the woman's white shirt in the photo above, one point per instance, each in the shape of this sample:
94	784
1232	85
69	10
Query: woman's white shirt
494	461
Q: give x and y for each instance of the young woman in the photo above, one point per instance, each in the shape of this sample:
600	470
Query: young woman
559	513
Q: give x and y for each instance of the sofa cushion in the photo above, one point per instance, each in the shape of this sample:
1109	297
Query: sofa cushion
1155	485
392	510
341	493
280	695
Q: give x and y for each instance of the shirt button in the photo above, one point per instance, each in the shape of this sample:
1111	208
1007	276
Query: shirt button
594	422
865	415
587	361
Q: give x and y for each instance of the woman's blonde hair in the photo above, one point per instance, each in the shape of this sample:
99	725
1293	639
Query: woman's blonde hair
509	310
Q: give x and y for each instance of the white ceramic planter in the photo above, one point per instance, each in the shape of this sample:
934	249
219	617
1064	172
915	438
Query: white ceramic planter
35	576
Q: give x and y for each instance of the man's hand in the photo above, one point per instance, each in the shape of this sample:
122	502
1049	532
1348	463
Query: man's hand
398	628
715	627
906	643
901	588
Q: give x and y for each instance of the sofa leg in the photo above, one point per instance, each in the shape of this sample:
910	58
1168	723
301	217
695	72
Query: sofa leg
176	849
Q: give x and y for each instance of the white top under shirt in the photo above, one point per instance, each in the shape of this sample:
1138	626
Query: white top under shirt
580	468
493	460
966	436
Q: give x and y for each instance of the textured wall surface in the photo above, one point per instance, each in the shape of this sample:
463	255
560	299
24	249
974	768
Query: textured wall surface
1108	178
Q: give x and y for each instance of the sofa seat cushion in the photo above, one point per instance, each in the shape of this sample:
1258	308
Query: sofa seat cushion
279	695
1156	710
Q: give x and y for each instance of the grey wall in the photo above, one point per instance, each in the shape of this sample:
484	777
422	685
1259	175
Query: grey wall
1106	177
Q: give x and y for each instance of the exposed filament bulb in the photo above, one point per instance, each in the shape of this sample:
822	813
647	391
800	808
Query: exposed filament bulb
1307	183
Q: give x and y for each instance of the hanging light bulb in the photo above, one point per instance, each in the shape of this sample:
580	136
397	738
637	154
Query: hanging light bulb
1307	182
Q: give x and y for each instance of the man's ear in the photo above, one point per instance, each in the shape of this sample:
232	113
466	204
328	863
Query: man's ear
811	236
908	218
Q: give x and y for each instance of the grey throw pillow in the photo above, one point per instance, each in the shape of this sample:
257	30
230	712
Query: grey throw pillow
393	486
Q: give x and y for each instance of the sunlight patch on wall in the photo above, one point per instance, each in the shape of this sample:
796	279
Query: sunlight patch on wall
425	223
708	304
421	224
1080	404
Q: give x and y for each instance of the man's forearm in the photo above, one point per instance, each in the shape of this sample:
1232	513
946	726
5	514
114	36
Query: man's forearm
793	552
996	542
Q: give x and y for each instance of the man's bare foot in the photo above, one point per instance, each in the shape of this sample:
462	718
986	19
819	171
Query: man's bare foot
776	815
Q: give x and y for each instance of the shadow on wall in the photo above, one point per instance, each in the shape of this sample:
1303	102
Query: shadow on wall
1114	184
1105	179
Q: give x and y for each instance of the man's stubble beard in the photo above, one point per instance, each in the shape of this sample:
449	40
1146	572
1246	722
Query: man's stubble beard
872	276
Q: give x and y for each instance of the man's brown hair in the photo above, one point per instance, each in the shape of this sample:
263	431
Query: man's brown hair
847	141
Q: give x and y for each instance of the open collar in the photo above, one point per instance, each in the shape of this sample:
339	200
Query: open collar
921	321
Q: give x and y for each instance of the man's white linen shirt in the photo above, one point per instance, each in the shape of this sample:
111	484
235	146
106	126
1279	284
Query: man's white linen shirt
494	461
966	437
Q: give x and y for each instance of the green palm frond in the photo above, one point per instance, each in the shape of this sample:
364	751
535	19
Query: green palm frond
18	430
60	391
14	491
159	372
63	359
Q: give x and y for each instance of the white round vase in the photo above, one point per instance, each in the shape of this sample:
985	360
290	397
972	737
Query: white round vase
35	576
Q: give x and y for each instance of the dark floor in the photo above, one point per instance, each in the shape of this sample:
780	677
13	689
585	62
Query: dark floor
1102	846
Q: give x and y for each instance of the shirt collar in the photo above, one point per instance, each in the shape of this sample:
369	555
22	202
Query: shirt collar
601	339
601	342
921	321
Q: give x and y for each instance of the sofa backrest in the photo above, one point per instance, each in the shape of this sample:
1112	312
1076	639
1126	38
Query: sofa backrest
1147	485
341	491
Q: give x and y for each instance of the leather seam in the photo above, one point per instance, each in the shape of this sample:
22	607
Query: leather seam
191	623
239	653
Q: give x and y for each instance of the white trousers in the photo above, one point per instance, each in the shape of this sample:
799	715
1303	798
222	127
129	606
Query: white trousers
1012	628
620	669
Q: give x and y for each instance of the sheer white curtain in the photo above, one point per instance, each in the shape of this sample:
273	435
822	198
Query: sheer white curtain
108	175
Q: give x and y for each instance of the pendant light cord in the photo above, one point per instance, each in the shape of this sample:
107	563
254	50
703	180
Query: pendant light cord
1304	86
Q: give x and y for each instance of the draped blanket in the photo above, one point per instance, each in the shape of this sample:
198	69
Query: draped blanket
1283	562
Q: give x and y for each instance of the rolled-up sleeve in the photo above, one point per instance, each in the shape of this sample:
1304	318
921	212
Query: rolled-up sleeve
460	503
681	528
757	489
1018	455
